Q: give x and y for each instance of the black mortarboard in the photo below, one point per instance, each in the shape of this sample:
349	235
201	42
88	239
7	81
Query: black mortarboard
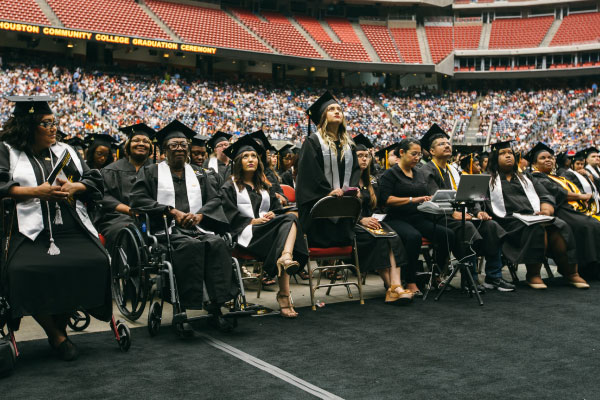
76	142
385	151
484	154
245	143
538	148
561	158
100	138
580	155
465	162
174	129
200	140
218	138
502	145
297	147
590	150
60	135
138	129
31	105
466	149
285	149
433	131
315	111
264	141
362	142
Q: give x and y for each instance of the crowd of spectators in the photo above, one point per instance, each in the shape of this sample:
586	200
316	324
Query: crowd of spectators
96	102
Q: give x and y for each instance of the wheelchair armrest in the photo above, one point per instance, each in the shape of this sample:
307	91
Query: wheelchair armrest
229	240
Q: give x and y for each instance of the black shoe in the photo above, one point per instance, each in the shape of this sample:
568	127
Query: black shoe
67	351
498	283
466	287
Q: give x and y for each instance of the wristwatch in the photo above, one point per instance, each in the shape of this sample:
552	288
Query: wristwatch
410	199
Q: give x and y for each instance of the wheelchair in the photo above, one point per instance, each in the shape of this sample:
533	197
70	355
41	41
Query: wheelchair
79	320
142	272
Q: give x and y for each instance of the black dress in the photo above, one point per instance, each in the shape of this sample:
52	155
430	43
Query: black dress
224	169
268	239
119	178
288	179
408	222
373	252
311	186
524	244
585	229
41	284
197	257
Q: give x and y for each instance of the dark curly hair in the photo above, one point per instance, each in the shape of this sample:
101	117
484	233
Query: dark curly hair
259	179
494	167
89	155
19	131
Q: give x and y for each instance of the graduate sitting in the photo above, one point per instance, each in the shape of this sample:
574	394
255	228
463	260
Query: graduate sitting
119	178
251	206
525	210
218	161
184	192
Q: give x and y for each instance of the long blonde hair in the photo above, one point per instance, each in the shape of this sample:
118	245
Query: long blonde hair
328	138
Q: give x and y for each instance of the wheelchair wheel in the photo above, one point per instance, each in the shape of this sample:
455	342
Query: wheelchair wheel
79	321
154	318
124	336
129	280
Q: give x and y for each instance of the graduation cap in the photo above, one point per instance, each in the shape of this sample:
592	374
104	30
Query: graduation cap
200	140
466	149
31	105
385	151
60	135
76	143
466	162
174	129
430	134
362	142
260	135
538	148
296	149
315	112
245	143
218	138
561	158
501	145
580	155
138	129
100	139
590	150
286	149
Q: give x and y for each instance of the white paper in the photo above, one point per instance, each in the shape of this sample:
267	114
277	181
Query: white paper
532	219
379	217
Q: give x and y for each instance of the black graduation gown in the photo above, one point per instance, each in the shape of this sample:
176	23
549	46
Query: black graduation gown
38	283
373	252
197	257
525	244
311	186
224	169
268	239
119	178
273	180
585	229
486	237
288	179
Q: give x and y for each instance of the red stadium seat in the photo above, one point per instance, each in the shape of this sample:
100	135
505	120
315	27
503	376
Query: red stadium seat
510	33
23	11
289	193
577	28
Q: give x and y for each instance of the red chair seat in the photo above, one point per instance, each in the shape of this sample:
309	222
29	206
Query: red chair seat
238	253
289	193
425	242
317	252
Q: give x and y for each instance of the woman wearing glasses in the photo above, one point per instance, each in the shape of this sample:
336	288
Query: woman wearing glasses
99	153
54	262
185	193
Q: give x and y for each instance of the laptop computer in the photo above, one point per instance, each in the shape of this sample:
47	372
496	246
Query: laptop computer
473	188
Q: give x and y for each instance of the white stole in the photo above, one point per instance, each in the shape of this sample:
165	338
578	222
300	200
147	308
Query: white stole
213	163
332	173
244	206
588	187
497	198
455	174
29	212
165	193
592	171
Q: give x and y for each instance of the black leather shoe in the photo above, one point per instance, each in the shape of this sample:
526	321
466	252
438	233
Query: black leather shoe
67	351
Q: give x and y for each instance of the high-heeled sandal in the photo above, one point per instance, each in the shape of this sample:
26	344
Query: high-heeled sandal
287	264
577	281
403	297
535	282
290	306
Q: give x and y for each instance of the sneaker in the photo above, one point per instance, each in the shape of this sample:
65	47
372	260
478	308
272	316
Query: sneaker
499	284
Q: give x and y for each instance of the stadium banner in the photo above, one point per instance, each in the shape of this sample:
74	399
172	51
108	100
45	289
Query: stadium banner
103	37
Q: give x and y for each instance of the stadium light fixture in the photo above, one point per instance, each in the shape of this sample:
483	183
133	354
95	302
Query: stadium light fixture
70	45
312	69
166	55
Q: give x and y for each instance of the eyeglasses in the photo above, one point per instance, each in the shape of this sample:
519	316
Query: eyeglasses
177	145
222	144
48	124
363	156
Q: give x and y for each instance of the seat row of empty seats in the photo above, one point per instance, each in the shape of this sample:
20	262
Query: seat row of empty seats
279	32
408	44
577	28
352	50
443	39
381	40
510	33
120	17
23	11
205	26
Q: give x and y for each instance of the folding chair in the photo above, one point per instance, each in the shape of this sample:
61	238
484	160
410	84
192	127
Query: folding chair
512	268
289	193
334	207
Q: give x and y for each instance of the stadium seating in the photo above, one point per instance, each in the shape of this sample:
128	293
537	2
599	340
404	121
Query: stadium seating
352	50
205	26
408	44
120	17
513	33
278	31
22	11
442	38
381	40
578	28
